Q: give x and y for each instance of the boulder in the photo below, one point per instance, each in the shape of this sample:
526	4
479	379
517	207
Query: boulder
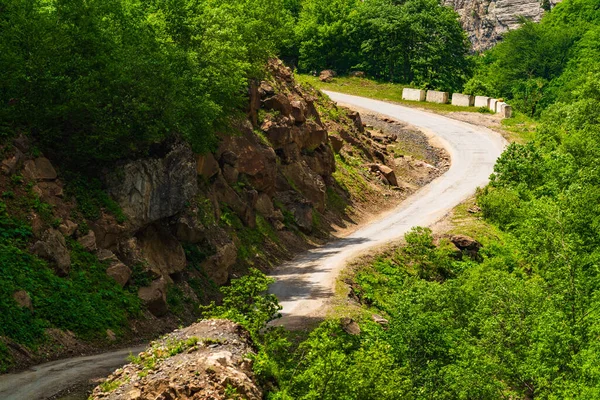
107	231
189	230
152	189
119	272
53	248
465	242
280	103
206	165
252	159
265	89
387	172
88	242
161	250
227	195
264	205
106	255
356	120
336	142
278	132
14	163
40	169
378	319
303	216
350	326
154	297
327	75
358	74
321	161
217	266
23	300
299	109
310	184
68	228
311	135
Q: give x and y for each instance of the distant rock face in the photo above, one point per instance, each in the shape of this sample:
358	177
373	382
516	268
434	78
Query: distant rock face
485	21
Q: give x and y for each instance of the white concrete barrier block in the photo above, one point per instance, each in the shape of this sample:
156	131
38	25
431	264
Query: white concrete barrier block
507	111
482	101
499	106
433	96
493	103
413	94
462	100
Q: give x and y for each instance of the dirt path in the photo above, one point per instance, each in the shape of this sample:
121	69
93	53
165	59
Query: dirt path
305	284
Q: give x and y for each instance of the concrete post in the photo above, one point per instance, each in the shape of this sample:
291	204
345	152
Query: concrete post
413	94
482	101
434	96
493	103
462	100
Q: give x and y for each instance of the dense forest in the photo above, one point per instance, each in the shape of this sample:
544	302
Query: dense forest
103	80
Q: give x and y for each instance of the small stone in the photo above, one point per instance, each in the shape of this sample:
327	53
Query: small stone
68	228
88	241
23	300
111	335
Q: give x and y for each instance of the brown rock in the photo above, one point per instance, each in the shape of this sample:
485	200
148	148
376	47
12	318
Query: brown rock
119	272
307	182
88	242
386	172
280	103
23	300
106	255
380	320
312	135
231	174
336	143
40	169
161	250
303	216
464	242
154	297
53	248
110	335
327	75
299	109
217	266
206	165
189	230
265	89
355	117
350	326
107	231
264	205
68	228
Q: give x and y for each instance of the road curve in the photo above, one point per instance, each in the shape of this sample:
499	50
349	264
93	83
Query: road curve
304	285
46	380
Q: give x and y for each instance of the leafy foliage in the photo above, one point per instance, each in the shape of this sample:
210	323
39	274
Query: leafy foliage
414	41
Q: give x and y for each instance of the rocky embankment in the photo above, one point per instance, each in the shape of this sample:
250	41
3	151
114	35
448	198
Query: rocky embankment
485	21
207	360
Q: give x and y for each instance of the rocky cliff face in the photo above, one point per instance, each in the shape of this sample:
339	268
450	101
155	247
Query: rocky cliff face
485	21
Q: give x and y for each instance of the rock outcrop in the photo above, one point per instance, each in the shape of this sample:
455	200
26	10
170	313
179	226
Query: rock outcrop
210	361
485	21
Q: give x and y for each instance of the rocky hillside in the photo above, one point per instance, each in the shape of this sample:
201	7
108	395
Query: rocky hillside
486	20
131	251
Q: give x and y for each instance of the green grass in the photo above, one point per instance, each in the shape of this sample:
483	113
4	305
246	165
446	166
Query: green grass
377	90
520	128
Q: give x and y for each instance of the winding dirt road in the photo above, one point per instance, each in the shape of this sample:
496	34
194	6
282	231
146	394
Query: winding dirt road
305	284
